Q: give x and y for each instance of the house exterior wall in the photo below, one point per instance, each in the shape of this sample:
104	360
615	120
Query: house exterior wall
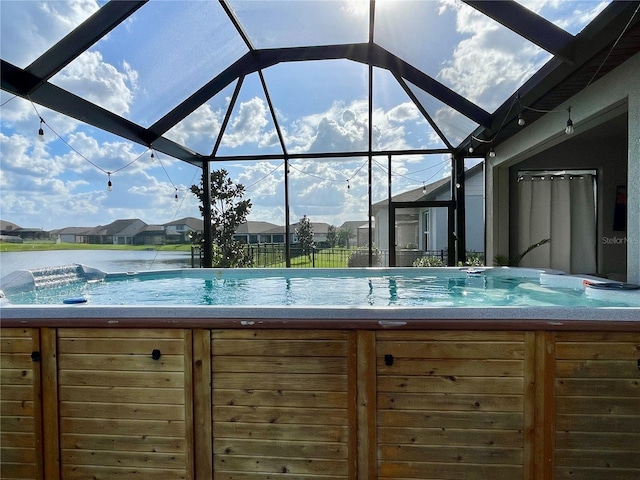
474	216
609	97
474	213
381	232
438	229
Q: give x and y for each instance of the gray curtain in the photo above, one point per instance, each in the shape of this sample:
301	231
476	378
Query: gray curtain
561	208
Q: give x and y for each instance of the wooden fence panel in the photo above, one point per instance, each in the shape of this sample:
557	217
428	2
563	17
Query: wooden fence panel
282	404
452	405
124	413
20	407
597	403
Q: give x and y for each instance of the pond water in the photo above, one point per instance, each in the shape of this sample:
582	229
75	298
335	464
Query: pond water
105	260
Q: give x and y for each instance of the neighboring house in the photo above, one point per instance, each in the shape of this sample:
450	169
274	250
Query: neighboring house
30	233
72	234
120	232
6	228
276	234
363	233
359	232
422	229
319	229
151	235
258	232
178	230
8	232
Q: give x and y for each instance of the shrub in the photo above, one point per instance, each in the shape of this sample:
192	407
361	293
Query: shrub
429	262
474	259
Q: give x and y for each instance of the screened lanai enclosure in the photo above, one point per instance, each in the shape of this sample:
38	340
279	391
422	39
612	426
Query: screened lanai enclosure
494	116
337	104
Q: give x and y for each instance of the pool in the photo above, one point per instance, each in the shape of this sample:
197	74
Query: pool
488	365
409	287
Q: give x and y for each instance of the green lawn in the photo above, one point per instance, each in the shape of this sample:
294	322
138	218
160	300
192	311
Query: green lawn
323	258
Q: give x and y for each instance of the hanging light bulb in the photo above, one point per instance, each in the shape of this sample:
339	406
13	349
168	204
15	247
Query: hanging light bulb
152	154
569	129
470	148
109	184
521	121
41	131
176	195
348	186
424	188
492	153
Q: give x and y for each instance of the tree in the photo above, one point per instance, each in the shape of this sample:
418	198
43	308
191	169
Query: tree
304	231
332	237
344	235
228	211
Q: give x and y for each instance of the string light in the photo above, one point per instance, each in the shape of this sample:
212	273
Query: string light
175	196
424	188
41	131
152	155
58	136
569	129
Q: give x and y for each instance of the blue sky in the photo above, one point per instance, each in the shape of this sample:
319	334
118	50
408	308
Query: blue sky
168	49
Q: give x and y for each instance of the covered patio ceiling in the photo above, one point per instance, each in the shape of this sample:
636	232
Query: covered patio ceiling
231	40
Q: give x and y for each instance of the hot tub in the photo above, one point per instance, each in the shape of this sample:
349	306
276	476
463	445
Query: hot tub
380	389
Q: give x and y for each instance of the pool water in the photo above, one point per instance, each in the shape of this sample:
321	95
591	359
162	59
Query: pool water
316	287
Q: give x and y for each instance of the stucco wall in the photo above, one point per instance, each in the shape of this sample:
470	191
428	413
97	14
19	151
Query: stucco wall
616	94
474	215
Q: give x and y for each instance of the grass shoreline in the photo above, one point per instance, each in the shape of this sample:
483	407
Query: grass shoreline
47	246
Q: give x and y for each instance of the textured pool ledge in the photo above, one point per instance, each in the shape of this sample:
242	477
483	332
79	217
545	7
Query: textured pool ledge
521	318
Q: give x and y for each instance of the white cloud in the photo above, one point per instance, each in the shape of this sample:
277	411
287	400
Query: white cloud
490	62
22	156
30	28
578	18
403	112
341	128
570	16
51	190
99	82
199	130
262	179
248	124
